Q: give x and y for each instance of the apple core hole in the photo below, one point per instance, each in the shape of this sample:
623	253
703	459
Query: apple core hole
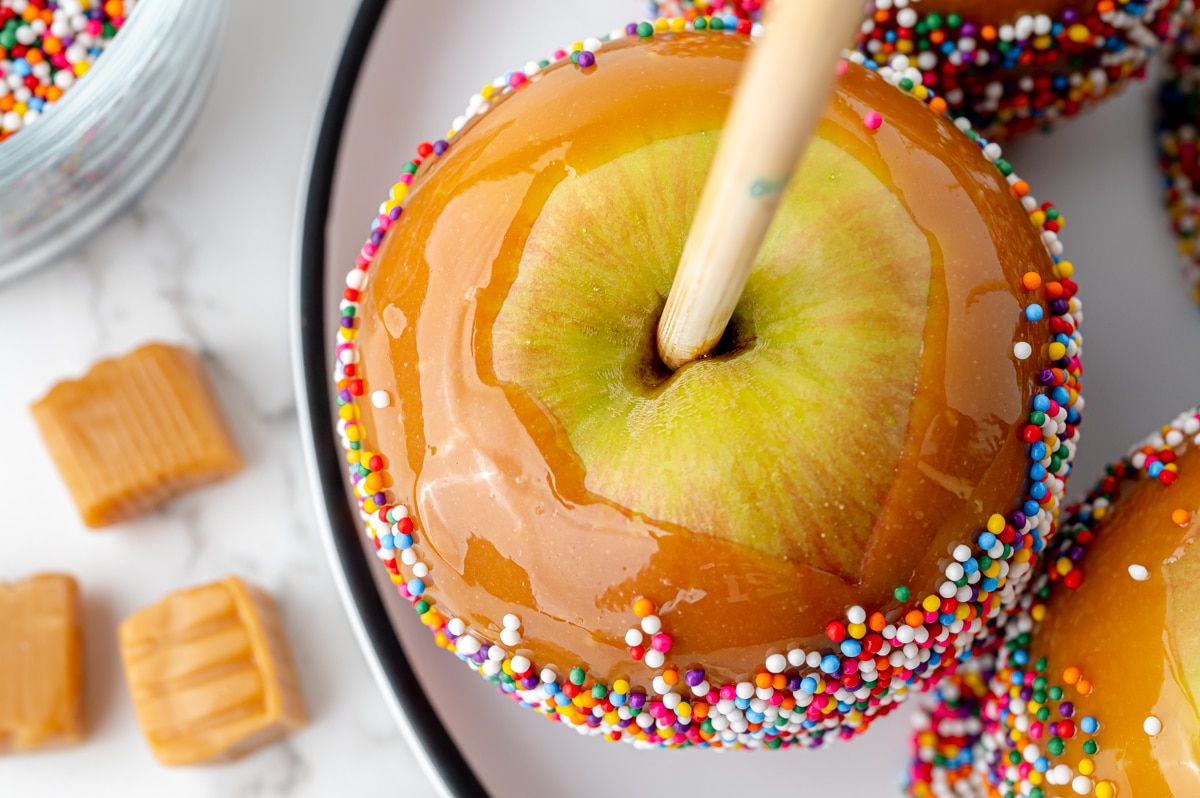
740	336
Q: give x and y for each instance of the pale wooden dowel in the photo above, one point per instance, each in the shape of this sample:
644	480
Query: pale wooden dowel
783	90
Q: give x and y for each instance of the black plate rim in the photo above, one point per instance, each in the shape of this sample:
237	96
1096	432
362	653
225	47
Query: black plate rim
360	597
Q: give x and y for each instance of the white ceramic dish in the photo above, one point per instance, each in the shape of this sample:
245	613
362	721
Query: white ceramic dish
408	75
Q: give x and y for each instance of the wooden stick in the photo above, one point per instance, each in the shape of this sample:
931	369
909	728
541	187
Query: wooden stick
783	90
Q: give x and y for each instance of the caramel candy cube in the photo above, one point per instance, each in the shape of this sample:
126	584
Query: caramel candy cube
41	664
210	673
135	432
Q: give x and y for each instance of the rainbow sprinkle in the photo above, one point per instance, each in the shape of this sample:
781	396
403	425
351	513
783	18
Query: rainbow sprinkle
45	46
735	10
1178	110
797	697
1002	726
1009	77
1006	77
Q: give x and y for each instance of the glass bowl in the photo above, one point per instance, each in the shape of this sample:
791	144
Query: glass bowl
91	152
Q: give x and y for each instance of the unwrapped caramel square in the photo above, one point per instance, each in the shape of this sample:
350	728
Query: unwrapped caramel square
210	673
41	664
135	432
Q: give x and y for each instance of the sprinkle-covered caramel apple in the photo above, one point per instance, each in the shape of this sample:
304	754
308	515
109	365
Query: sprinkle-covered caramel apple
1009	66
770	544
1016	65
1178	160
1094	689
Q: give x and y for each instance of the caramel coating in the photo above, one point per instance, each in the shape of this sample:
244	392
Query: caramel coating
1133	640
504	530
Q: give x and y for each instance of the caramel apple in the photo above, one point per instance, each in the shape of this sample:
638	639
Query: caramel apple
1094	690
1007	66
1178	162
1010	66
769	545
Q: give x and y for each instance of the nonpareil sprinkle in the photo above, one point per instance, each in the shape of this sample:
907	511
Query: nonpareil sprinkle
47	45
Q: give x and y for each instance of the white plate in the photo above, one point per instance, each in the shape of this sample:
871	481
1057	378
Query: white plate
1141	358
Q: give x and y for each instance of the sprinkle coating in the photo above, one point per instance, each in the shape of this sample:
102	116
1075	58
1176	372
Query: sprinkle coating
1007	76
1010	76
1178	107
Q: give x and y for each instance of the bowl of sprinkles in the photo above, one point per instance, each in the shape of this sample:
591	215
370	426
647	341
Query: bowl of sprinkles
95	95
47	47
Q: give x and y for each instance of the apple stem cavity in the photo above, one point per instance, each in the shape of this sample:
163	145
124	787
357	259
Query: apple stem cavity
779	99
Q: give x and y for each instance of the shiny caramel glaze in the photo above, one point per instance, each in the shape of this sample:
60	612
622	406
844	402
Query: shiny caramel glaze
503	532
1135	641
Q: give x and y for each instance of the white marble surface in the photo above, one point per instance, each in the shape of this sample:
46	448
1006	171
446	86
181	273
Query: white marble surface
201	259
204	258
